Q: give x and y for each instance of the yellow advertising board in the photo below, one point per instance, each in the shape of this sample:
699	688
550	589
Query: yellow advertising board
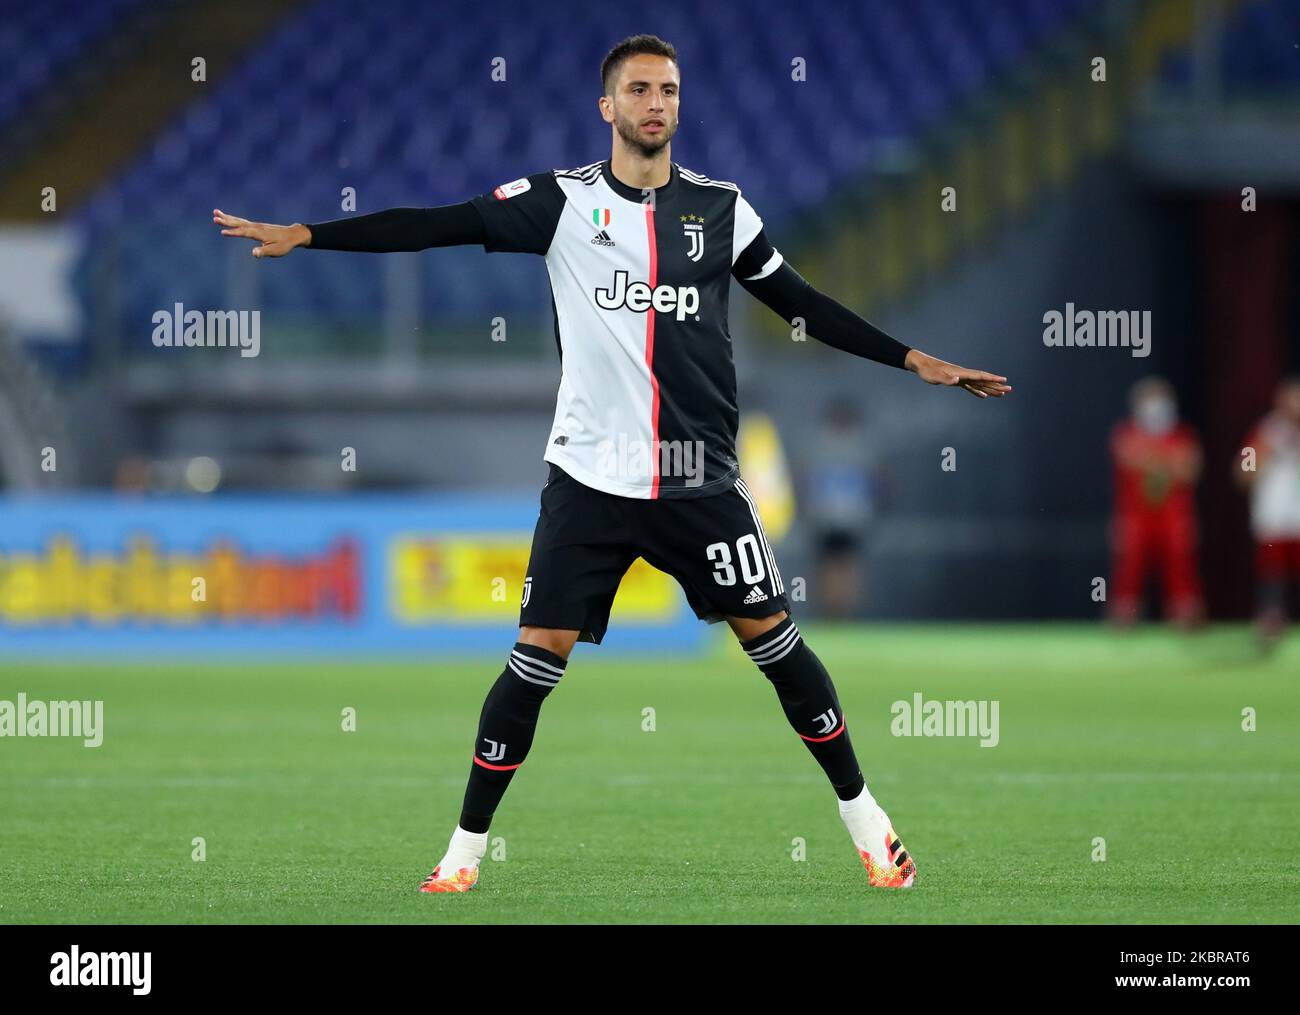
480	577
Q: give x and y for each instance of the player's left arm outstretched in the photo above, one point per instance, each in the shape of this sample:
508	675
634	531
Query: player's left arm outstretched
933	370
765	274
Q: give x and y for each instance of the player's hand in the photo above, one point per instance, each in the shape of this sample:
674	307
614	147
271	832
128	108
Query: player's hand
273	240
979	383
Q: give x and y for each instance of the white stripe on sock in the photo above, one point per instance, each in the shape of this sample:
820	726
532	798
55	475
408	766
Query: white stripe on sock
776	649
557	670
532	680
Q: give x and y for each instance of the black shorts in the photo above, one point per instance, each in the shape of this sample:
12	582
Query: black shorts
586	540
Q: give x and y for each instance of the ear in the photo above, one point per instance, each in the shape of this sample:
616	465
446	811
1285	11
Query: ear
606	105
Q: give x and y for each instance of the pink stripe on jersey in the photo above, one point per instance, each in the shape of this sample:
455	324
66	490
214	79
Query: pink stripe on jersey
650	354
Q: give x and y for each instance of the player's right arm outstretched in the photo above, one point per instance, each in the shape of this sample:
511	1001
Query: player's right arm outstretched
396	229
517	217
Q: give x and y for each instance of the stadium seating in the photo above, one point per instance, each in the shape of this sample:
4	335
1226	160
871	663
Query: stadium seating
1257	51
402	106
39	41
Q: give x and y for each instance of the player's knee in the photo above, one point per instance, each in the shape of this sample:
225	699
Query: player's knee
749	628
553	639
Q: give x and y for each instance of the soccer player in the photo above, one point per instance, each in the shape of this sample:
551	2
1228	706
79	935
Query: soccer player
1157	461
641	253
1275	508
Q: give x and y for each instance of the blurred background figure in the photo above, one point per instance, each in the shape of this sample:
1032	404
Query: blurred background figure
1274	486
843	484
1157	462
766	470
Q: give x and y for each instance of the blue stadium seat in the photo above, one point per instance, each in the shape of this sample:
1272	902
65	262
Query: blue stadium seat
376	97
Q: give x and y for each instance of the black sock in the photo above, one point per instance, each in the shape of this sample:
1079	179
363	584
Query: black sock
811	705
505	729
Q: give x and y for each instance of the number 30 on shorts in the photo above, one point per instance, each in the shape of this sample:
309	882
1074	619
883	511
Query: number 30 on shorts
748	555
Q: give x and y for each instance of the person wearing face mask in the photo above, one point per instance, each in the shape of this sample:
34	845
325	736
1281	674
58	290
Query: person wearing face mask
1274	485
1157	460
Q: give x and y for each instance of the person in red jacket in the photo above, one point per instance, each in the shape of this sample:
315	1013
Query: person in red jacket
1157	463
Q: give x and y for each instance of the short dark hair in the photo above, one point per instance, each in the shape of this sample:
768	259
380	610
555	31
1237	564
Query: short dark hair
633	45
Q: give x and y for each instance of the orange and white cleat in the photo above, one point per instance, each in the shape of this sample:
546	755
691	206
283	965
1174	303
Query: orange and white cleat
462	880
891	866
888	864
464	852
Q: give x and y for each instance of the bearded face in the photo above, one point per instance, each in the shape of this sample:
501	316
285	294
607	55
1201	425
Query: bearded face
643	104
647	132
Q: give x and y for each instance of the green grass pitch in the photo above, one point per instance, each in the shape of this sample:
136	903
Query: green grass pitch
1135	738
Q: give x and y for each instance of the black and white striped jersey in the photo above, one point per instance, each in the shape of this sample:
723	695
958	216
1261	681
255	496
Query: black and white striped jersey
639	282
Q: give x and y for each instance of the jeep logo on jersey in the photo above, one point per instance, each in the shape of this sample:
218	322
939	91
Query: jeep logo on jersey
639	297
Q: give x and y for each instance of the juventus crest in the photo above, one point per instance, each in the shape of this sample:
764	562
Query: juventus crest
694	231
